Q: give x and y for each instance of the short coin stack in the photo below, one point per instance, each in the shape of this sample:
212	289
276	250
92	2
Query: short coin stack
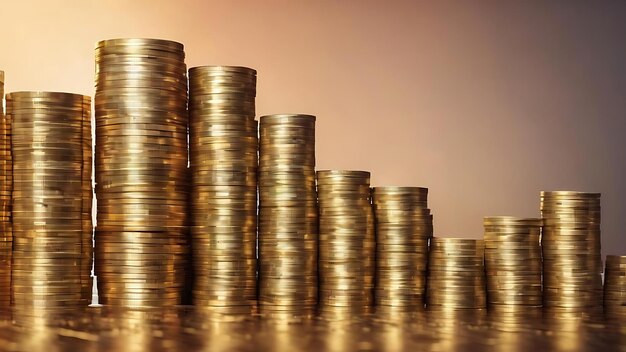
572	262
615	284
456	274
6	181
47	199
141	172
223	155
513	261
288	228
347	243
404	226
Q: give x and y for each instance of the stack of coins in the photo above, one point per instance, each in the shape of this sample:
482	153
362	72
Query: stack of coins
513	261
572	262
404	226
87	203
347	243
223	159
141	172
615	284
288	228
47	150
456	274
6	186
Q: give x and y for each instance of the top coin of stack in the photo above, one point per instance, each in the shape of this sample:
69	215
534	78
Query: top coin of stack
615	284
6	181
456	274
404	226
141	171
223	160
572	262
347	247
513	261
288	228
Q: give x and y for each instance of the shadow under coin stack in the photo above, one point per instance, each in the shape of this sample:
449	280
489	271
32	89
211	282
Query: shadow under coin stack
141	172
456	274
288	228
615	285
404	226
570	241
347	243
48	230
223	160
513	262
6	186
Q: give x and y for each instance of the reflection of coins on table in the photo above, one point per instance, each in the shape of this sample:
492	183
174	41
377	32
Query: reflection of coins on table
141	172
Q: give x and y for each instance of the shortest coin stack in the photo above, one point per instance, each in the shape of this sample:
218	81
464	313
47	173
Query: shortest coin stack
513	261
6	179
615	284
456	274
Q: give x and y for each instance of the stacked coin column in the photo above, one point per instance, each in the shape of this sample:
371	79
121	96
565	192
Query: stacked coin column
141	172
456	274
347	244
47	199
6	186
403	227
513	262
288	228
570	241
615	285
223	158
87	203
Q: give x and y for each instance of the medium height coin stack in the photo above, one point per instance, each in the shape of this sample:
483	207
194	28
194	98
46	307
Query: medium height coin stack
6	181
47	211
513	261
347	244
615	285
288	228
141	172
223	159
404	226
572	262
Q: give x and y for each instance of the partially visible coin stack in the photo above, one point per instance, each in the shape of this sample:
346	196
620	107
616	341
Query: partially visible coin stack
141	172
513	261
288	226
347	243
404	226
570	240
456	274
6	186
223	154
87	203
615	284
47	149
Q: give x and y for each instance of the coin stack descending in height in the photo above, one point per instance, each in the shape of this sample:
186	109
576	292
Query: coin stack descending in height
570	241
47	149
513	262
6	186
223	154
456	274
141	172
404	226
288	228
615	285
347	243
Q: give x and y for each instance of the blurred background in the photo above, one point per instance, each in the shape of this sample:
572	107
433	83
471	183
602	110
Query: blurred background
486	103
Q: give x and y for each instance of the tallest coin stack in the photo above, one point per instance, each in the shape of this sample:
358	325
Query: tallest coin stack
141	171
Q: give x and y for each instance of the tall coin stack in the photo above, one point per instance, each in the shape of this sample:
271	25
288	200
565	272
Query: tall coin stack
347	243
288	228
572	262
615	284
141	172
223	159
513	261
47	145
6	185
456	274
404	226
87	203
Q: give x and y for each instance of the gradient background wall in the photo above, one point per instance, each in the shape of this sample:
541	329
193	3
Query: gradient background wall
484	102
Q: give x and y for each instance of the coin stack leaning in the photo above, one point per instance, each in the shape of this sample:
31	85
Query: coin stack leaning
347	242
404	226
456	274
570	241
288	227
223	154
141	172
6	186
513	261
615	284
47	199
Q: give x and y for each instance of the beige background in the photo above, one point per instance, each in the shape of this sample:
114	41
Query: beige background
484	102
